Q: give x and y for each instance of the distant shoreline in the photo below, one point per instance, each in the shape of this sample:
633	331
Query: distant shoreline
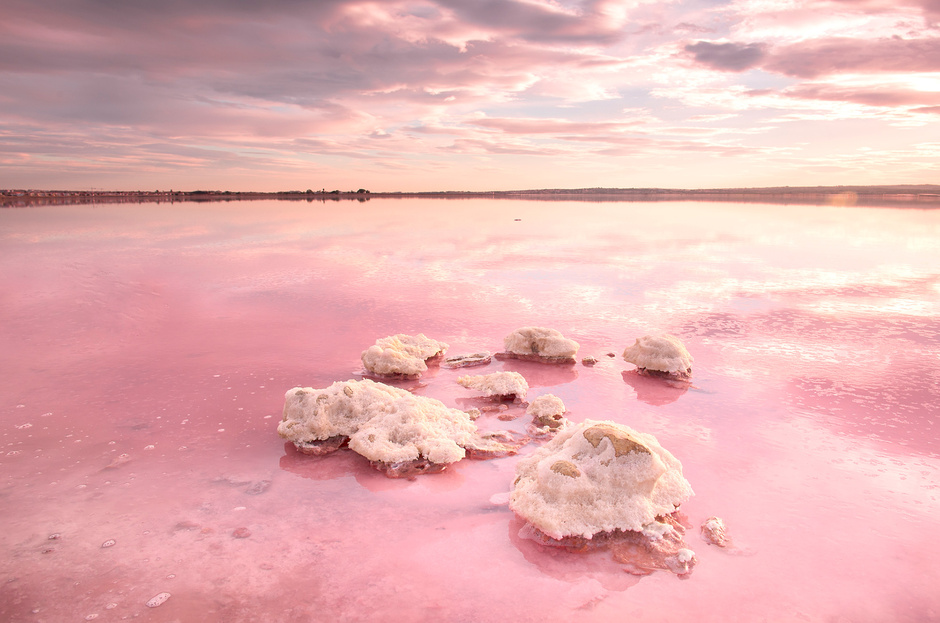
922	195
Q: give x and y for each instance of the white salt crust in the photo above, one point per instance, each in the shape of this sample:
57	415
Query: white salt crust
540	341
546	406
664	353
401	354
548	415
598	476
383	423
496	384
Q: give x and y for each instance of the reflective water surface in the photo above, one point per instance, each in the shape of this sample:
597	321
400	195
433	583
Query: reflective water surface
145	351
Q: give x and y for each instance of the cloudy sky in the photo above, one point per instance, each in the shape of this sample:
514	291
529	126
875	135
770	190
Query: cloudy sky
420	95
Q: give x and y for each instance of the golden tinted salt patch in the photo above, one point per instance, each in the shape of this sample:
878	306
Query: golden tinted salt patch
621	440
566	468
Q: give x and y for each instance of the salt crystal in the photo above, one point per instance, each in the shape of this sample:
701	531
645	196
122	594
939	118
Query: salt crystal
158	600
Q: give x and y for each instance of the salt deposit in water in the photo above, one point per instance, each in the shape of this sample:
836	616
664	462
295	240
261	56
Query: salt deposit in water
499	385
660	355
714	532
548	415
539	344
402	356
157	600
467	361
602	484
399	433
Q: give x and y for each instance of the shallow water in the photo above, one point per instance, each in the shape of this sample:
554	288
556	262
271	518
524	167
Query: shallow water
146	350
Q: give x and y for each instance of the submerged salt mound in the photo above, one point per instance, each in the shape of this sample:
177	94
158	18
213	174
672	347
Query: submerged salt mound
539	344
401	355
502	385
660	355
548	415
599	477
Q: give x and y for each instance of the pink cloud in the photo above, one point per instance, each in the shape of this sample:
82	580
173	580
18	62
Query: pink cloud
552	126
811	59
727	56
870	96
819	57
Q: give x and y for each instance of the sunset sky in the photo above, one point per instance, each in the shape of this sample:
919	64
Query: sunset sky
430	95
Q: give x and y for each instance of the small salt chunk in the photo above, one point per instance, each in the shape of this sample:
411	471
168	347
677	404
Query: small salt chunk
500	499
157	600
714	532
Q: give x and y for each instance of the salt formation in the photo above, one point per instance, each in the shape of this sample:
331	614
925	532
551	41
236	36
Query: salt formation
466	361
402	356
597	477
157	600
548	415
415	428
660	355
501	385
539	344
318	421
401	434
714	532
603	484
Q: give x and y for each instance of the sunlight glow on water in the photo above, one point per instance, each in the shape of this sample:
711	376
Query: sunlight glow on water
146	350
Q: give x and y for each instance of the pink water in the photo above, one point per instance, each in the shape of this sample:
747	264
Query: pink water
146	350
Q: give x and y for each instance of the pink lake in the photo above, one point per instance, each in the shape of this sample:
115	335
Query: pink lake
145	351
